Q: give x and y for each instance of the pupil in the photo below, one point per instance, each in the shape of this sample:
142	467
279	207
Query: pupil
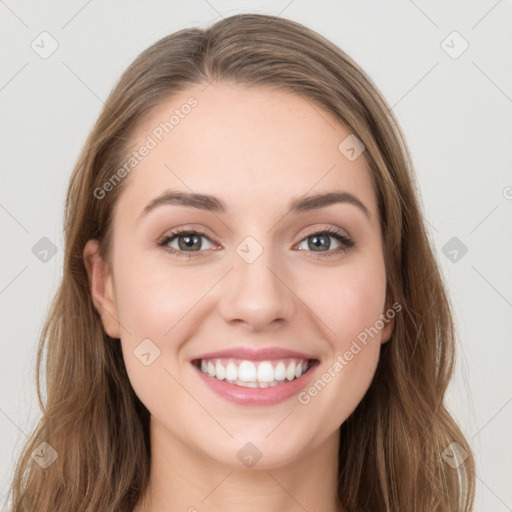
190	241
317	244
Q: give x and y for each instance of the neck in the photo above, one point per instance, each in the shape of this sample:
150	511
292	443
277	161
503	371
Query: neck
182	479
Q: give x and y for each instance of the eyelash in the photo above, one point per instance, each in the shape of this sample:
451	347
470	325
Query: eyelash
346	242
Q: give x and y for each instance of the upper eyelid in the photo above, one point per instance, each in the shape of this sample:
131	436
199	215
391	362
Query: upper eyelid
313	230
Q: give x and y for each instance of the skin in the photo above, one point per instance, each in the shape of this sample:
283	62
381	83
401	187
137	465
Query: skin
256	149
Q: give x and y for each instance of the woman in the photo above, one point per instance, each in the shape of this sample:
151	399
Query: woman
200	354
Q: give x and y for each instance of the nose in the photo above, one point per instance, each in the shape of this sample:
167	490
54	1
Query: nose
257	295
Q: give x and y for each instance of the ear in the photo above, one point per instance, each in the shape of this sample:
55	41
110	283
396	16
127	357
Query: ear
389	322
102	288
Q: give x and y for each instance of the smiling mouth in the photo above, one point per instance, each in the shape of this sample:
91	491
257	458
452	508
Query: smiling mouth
255	374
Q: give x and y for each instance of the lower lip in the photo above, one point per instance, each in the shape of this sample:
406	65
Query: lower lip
257	396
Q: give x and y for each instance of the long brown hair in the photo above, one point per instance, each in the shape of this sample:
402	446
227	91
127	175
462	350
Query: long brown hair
391	447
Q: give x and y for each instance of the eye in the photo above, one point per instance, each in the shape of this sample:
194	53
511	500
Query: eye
320	240
189	243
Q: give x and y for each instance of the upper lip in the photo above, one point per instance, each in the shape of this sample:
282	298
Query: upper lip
253	354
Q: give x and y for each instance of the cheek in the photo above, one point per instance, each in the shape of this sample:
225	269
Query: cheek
346	301
348	306
160	303
153	298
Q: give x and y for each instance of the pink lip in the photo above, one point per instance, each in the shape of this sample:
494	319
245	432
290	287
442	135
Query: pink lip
261	354
257	396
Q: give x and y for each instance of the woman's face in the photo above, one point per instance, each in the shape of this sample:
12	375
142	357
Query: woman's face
257	292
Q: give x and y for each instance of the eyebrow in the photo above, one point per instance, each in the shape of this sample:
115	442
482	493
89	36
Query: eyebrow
215	205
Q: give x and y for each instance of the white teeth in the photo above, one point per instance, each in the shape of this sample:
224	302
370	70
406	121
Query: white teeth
231	371
265	372
247	371
247	384
280	371
220	372
252	374
290	371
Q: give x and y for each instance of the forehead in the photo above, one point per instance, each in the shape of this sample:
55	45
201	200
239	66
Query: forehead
243	144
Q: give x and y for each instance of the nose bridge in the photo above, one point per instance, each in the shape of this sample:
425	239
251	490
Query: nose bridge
254	292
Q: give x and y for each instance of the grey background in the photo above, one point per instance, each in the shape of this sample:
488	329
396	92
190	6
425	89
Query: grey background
455	113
